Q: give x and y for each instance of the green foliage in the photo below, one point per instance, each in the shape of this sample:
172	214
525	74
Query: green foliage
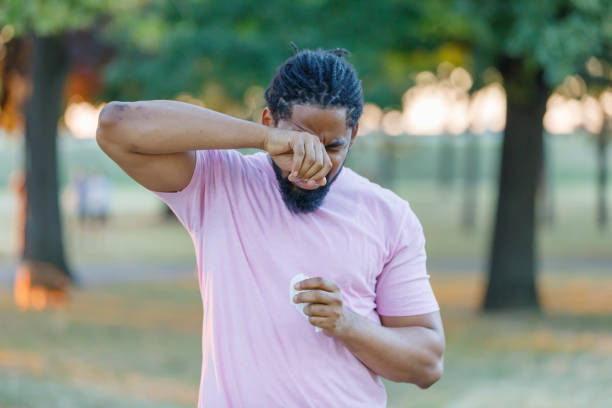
216	50
48	17
556	36
235	45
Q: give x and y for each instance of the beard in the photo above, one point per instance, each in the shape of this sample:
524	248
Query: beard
299	200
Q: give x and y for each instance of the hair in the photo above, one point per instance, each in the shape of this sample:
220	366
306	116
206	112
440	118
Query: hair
319	77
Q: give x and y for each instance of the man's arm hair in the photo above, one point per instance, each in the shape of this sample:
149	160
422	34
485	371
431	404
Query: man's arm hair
154	142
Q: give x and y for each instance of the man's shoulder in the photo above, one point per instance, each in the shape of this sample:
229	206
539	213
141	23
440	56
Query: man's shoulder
373	195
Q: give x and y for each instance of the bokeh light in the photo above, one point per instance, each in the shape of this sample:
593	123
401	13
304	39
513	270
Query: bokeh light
81	118
488	109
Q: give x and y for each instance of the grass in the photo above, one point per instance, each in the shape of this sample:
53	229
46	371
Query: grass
138	345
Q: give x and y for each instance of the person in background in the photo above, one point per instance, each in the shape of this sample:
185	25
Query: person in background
80	189
17	182
98	198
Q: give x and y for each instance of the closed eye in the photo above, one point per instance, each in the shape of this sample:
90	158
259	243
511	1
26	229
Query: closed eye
335	145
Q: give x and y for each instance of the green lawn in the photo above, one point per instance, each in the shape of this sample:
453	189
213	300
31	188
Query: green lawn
138	345
130	346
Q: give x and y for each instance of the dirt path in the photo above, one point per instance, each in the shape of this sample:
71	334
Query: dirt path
100	274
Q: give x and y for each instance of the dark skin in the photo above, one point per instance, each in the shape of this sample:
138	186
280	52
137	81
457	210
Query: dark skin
403	348
335	140
154	142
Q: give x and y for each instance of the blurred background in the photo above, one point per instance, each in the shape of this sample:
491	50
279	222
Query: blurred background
492	119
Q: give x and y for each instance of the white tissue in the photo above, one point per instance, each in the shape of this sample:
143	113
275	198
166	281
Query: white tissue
293	292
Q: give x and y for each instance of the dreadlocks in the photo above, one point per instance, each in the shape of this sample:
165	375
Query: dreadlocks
319	77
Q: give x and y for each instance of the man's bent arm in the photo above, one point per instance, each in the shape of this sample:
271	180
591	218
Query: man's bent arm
165	126
154	142
411	354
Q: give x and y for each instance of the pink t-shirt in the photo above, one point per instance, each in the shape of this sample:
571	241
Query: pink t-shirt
257	348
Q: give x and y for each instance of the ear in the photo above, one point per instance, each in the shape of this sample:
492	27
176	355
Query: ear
266	118
354	135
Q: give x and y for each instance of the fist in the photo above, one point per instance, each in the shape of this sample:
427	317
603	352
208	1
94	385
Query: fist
325	308
301	154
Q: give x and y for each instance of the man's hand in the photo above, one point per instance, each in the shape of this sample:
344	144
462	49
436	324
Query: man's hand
300	153
326	308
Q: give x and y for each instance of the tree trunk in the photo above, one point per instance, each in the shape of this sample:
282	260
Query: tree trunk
602	175
388	161
43	235
512	264
545	205
470	182
446	161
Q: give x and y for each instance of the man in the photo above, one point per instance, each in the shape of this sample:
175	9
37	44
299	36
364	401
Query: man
259	220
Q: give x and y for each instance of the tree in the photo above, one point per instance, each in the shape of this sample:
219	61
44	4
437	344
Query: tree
48	30
603	140
217	50
534	45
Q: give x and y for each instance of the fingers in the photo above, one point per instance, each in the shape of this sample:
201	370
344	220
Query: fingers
317	296
309	156
318	282
316	309
298	157
310	160
317	161
320	176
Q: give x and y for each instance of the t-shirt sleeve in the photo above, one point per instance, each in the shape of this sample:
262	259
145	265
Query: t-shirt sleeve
188	204
403	287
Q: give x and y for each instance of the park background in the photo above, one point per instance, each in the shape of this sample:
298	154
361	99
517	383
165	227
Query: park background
493	120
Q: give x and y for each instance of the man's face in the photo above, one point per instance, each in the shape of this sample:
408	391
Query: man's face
329	124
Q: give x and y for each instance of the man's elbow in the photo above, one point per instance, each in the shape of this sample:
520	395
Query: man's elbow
431	374
111	113
110	116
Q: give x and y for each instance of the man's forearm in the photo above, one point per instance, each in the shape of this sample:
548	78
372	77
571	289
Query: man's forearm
165	126
400	354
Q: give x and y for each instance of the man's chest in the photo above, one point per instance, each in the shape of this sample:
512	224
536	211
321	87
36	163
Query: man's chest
276	249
